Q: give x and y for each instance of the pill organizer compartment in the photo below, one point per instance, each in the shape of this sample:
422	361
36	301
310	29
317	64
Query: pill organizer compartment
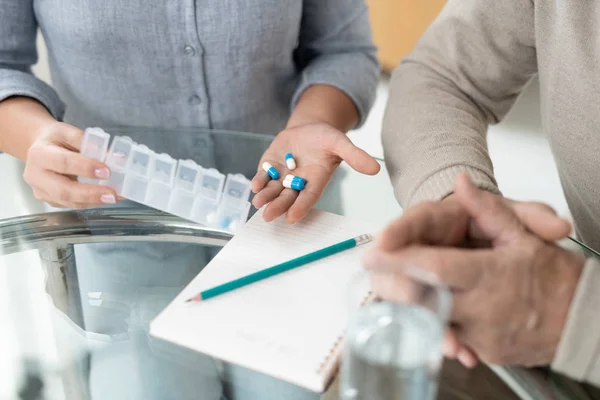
137	176
117	159
211	184
94	145
185	187
162	175
237	190
205	210
232	216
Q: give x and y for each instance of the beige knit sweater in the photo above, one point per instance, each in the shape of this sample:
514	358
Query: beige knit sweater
466	73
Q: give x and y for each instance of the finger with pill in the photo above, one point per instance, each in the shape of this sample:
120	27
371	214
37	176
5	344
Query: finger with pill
269	169
290	162
294	182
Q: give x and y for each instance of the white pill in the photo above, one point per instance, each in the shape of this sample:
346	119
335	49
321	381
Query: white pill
233	226
290	162
210	218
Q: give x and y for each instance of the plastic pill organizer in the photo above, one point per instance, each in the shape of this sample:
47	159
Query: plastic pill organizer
180	187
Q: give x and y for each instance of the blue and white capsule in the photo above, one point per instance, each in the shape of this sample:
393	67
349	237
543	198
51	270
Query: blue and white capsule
290	162
294	182
269	169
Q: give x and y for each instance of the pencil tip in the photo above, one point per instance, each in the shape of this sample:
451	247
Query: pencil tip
195	299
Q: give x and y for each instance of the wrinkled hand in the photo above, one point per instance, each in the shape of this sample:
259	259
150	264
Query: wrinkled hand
431	230
53	164
511	300
318	150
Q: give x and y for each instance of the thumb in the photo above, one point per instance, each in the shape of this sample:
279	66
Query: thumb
492	215
70	137
356	157
542	220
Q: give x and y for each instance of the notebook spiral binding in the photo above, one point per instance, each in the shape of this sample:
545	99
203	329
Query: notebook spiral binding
337	345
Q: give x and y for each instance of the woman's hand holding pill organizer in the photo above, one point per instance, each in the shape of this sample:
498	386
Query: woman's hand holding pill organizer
53	164
317	150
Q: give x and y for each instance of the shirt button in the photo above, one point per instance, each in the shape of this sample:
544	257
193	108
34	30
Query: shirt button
194	100
189	50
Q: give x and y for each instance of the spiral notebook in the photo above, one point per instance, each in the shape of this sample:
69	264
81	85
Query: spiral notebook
289	326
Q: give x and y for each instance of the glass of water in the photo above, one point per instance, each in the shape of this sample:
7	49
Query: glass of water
393	346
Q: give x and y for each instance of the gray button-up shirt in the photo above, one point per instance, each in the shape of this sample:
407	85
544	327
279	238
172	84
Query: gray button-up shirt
228	64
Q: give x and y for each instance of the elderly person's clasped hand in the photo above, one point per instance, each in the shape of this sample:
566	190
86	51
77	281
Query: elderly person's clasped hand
512	286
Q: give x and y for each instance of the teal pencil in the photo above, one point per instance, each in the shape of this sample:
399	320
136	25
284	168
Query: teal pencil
279	268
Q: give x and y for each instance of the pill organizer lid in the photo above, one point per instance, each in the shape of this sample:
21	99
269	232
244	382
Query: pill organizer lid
237	188
95	143
167	159
212	171
187	175
119	152
140	160
211	183
163	168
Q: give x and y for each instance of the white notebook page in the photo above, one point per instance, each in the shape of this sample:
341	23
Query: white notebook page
286	326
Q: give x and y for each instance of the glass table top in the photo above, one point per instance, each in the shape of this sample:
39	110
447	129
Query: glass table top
79	288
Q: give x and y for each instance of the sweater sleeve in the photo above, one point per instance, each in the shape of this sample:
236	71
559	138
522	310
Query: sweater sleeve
335	48
17	55
464	74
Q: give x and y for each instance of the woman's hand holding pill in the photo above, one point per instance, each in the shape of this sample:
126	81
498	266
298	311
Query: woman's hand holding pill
317	150
53	164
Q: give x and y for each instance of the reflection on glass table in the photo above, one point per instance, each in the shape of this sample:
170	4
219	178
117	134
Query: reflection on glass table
79	289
